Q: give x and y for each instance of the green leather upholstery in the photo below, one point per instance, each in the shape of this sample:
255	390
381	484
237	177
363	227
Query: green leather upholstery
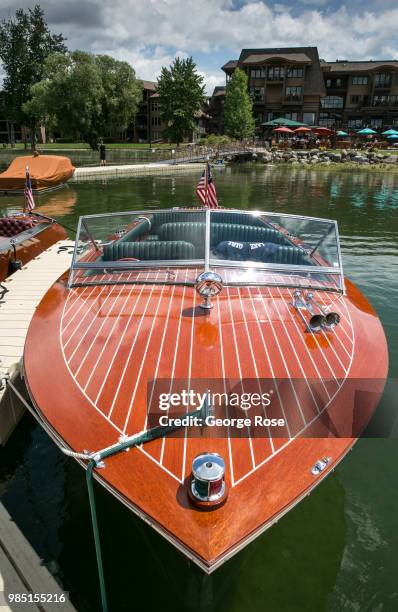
195	233
199	217
149	250
290	255
142	226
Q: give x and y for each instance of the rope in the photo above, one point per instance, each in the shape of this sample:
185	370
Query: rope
95	460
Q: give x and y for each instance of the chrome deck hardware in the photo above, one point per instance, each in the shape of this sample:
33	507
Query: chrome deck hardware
208	284
320	465
207	487
317	321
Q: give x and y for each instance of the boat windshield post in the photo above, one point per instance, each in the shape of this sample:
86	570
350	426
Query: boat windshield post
90	235
207	241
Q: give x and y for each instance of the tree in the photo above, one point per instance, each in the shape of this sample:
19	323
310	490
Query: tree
25	43
238	109
84	95
181	97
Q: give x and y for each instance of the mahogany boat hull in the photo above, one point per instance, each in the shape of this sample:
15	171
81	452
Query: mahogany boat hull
91	388
28	244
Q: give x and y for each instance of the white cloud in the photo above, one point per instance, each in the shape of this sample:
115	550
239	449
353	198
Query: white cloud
149	33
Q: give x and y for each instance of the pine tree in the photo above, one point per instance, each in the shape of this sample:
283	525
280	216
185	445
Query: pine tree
238	109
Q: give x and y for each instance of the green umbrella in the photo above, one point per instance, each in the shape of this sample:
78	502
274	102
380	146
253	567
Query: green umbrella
282	121
341	133
366	132
390	132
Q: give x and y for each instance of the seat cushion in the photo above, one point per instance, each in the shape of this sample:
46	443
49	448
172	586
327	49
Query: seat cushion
149	250
195	232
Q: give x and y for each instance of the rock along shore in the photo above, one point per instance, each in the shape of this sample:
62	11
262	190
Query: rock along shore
311	157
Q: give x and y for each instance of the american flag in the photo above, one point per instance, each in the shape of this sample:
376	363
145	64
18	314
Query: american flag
29	201
206	189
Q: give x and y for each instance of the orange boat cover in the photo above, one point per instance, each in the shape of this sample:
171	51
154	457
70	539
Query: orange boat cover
45	171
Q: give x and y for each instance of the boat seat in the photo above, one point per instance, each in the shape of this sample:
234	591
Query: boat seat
11	226
141	226
199	217
149	250
195	233
266	252
291	255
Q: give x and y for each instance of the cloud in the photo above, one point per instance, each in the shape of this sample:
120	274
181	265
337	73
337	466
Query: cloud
149	33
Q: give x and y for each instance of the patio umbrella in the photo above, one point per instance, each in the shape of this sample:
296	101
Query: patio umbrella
283	130
390	132
322	131
341	133
393	136
302	130
366	132
282	121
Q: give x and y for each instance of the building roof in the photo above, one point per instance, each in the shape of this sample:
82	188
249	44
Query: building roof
301	58
359	66
314	82
149	85
230	65
219	90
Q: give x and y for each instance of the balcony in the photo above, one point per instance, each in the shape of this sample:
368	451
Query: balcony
385	101
292	100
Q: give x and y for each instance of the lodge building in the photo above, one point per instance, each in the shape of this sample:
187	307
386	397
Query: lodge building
295	83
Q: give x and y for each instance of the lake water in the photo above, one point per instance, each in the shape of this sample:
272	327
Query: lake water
337	550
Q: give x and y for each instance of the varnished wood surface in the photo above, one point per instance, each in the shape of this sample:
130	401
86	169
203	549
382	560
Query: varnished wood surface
103	344
32	247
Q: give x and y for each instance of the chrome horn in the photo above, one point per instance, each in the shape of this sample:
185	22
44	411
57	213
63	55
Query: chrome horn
318	321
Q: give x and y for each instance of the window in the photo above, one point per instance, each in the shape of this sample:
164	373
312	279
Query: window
155	106
257	94
293	93
329	120
380	100
258	119
332	102
296	73
334	83
276	73
291	116
257	73
376	122
395	122
383	79
309	118
355	122
359	80
155	120
355	99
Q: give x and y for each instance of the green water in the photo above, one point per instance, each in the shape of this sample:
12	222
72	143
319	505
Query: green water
337	550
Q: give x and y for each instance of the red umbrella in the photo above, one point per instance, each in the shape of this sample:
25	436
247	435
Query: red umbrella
283	130
302	129
322	131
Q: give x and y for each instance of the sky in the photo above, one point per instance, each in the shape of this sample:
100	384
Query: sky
150	33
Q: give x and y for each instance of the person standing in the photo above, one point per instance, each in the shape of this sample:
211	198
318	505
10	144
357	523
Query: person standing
102	152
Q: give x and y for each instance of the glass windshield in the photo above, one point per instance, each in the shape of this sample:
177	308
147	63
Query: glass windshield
117	246
272	248
245	247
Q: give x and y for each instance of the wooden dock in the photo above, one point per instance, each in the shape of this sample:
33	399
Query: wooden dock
112	171
25	289
22	572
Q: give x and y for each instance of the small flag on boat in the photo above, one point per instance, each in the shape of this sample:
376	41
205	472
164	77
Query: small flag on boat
206	189
29	201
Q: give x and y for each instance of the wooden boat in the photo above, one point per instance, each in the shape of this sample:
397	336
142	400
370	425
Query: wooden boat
207	301
47	173
23	237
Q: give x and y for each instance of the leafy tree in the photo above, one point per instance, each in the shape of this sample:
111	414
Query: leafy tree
238	109
181	97
84	95
25	43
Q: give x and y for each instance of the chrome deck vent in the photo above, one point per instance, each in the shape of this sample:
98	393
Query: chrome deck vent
208	284
320	465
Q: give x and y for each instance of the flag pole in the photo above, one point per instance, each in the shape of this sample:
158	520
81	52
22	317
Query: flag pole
26	187
206	181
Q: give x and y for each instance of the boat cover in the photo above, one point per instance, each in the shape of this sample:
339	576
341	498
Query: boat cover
45	171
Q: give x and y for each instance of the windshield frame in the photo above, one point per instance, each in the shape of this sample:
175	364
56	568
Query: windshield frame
209	263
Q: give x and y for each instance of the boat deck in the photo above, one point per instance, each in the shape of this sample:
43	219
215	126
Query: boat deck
25	289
